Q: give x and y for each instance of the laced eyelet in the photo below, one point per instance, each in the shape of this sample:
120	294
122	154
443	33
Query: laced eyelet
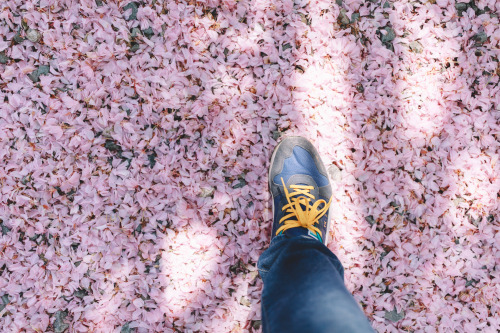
300	212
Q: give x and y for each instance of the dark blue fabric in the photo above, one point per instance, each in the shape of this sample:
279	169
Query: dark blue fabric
301	162
304	289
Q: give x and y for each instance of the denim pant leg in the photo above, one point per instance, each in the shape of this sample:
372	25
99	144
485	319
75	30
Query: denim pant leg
304	289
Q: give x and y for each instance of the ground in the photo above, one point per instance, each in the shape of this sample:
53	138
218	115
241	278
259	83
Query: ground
135	139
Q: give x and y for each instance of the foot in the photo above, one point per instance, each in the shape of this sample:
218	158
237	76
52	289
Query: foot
301	190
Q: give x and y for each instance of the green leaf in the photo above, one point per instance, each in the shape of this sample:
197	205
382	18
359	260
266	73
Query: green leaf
152	159
80	293
134	47
126	328
480	38
59	325
134	7
148	32
394	316
17	37
241	183
5	301
41	70
389	36
4	228
3	58
112	146
370	219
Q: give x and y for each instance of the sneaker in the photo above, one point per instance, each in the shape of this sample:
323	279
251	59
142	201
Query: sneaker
299	184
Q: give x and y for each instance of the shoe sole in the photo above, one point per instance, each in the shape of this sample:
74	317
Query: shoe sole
328	225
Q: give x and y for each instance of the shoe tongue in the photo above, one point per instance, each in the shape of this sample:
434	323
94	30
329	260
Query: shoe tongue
303	180
306	181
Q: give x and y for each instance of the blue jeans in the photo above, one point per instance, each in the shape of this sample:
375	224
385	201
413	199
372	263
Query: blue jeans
304	289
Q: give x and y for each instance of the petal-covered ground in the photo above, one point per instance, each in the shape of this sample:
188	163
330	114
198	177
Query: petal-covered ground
135	139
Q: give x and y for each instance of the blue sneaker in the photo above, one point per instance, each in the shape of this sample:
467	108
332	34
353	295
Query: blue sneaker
301	190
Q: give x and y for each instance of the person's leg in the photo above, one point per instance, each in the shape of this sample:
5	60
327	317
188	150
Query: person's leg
304	289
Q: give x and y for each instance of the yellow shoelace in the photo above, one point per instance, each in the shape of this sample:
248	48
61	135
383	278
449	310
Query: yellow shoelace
305	217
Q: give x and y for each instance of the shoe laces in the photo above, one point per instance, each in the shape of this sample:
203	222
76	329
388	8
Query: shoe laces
300	212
